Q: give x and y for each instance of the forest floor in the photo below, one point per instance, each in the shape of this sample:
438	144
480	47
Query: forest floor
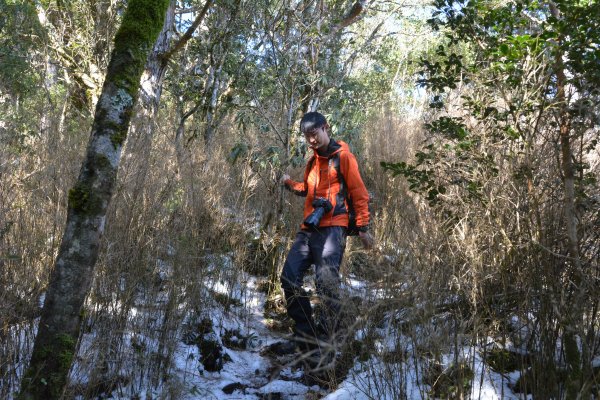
243	367
225	355
223	351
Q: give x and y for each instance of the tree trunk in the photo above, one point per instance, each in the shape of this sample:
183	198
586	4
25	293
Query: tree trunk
71	279
144	125
152	84
573	318
211	104
213	91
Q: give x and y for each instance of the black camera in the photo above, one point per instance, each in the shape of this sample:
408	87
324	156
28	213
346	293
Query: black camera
321	207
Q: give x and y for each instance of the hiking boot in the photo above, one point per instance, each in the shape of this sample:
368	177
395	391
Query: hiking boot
319	360
283	348
318	368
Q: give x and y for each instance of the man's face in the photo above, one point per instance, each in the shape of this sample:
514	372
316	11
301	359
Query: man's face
318	138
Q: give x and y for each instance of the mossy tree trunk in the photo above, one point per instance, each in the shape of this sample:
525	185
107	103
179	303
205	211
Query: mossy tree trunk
143	125
71	279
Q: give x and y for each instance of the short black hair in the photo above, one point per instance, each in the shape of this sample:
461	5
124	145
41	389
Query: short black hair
311	121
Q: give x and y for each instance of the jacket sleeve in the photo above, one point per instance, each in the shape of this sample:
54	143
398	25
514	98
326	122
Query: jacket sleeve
357	190
298	188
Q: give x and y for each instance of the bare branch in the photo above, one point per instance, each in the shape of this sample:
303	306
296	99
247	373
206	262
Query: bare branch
188	34
350	18
353	14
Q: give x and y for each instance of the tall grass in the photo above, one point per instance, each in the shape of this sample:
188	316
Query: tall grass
442	290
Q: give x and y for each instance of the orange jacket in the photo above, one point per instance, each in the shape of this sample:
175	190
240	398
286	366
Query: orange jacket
321	173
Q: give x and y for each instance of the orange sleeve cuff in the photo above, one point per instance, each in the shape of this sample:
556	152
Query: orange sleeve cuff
298	188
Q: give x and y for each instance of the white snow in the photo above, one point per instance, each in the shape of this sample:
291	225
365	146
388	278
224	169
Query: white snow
250	376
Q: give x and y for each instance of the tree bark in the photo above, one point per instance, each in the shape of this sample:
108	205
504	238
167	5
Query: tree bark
574	317
151	91
144	125
71	279
568	169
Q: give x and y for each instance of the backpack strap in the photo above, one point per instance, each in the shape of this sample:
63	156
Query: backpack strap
342	196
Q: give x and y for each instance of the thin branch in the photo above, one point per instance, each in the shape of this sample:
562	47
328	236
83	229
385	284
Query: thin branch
265	116
348	19
353	14
188	34
367	42
186	10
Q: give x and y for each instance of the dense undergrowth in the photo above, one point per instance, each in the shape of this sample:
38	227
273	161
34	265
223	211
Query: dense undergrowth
475	273
449	294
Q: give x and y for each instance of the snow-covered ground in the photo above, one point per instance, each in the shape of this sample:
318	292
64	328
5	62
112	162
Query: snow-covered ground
248	374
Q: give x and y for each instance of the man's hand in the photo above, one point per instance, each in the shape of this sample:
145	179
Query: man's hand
284	178
367	240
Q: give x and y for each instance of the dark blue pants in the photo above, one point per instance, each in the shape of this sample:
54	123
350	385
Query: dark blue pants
324	248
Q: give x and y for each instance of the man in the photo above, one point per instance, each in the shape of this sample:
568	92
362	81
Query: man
331	181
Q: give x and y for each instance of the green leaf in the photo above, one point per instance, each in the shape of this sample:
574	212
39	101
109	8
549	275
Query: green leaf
237	151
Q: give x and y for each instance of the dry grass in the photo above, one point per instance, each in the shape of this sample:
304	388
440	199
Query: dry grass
435	283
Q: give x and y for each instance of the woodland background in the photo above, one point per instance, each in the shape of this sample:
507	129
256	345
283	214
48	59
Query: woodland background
475	124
